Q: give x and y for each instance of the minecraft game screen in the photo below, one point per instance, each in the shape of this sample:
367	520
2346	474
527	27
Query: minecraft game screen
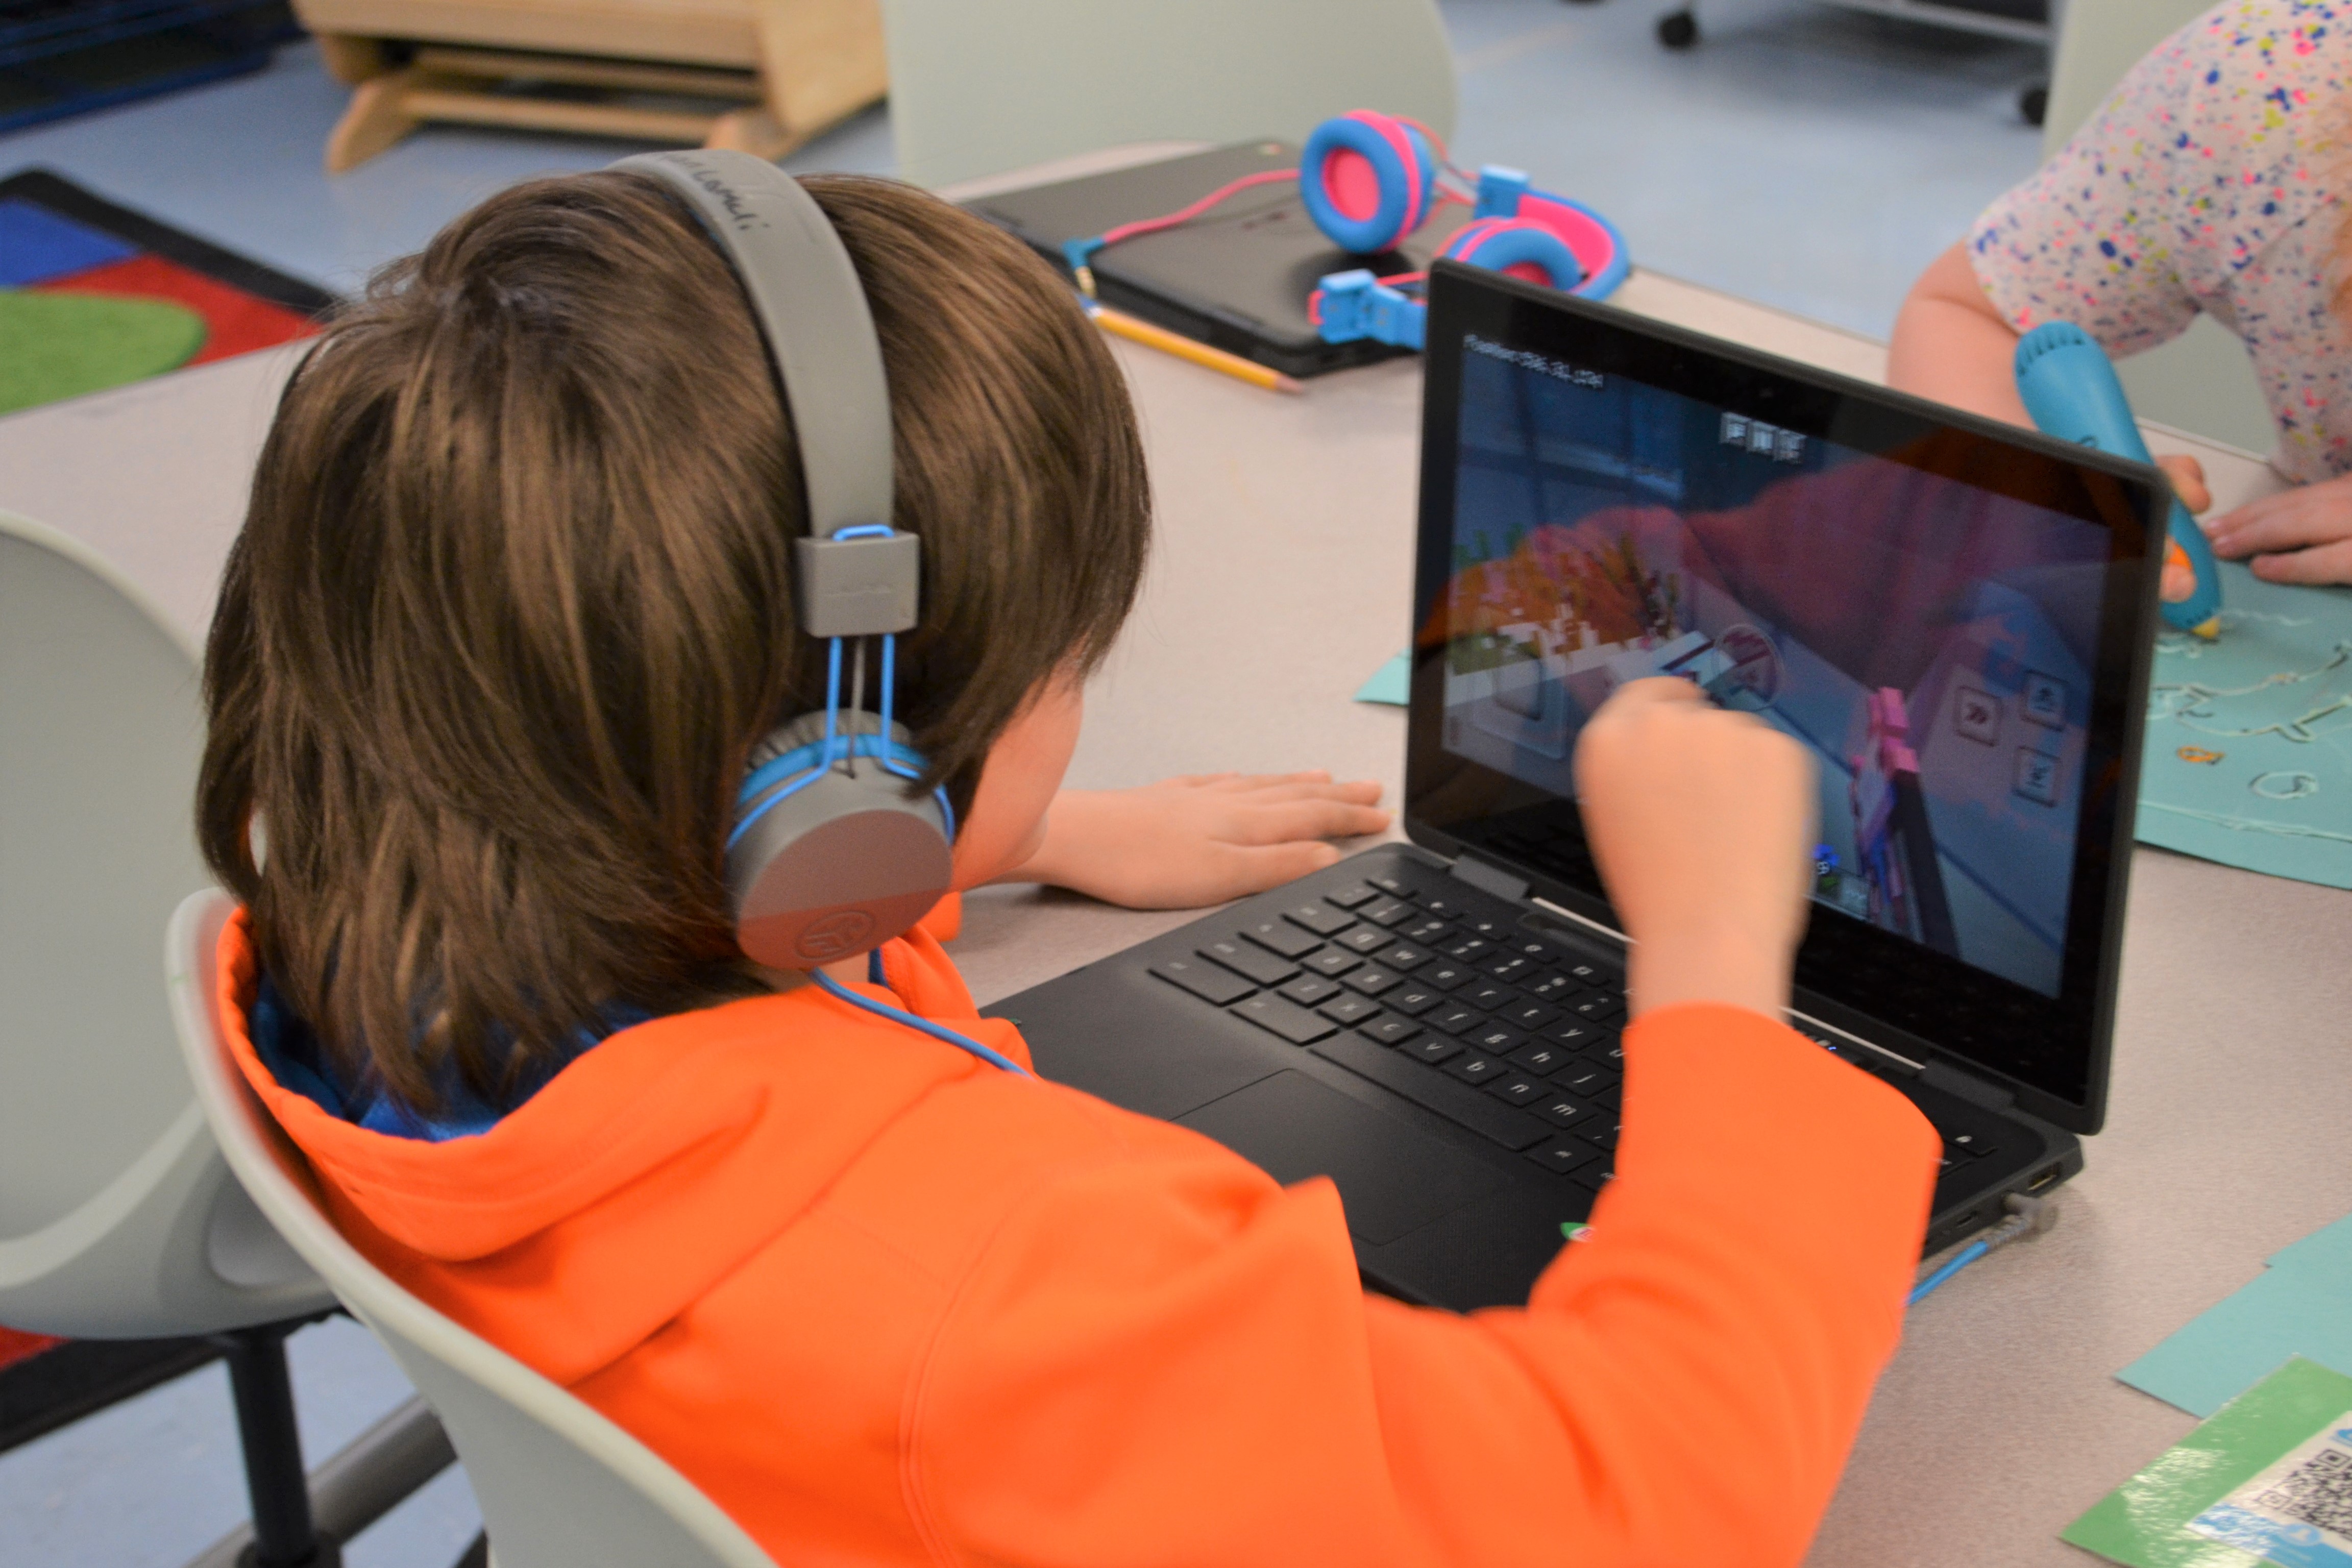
1930	642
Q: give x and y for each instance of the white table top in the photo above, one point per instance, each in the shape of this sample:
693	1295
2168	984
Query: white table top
1281	578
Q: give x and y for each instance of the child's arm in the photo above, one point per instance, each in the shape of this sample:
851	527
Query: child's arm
1162	1358
1187	842
1952	345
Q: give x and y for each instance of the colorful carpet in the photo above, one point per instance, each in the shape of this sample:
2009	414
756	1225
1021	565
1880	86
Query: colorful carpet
93	295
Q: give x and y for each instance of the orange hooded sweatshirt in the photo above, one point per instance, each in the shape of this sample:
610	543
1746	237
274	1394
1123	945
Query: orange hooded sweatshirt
887	1304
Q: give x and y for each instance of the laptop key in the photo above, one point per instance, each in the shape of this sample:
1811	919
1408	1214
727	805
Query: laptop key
1453	1020
1457	1102
1365	939
1296	1024
1487	996
1250	963
1387	912
1491	928
1588	973
1349	1010
1493	1037
1975	1144
1372	980
1319	919
1354	894
1563	1155
1603	1133
1528	947
1542	1057
1468	948
1445	905
1577	1035
1551	987
1581	1077
1311	990
1403	957
1510	967
1598	1006
1476	1066
1394	887
1446	976
1330	963
1531	1015
1205	981
1284	938
1563	1110
1434	1048
1425	929
1412	1000
1389	1030
1518	1088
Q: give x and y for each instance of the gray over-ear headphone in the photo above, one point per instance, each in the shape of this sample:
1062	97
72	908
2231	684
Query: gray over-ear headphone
829	854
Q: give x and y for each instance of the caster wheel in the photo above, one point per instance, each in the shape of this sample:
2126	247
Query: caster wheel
2034	104
1678	30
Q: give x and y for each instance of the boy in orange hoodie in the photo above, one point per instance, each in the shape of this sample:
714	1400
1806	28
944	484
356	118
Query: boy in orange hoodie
510	610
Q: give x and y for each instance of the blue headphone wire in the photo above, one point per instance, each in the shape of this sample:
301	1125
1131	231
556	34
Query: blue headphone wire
835	989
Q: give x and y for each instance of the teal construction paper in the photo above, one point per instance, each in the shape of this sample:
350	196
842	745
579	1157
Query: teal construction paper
1391	683
2302	1305
2329	1247
2249	753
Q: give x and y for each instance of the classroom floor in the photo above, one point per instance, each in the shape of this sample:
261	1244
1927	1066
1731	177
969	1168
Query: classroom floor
1803	155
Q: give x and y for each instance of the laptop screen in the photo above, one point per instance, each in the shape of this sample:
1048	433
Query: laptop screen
1929	608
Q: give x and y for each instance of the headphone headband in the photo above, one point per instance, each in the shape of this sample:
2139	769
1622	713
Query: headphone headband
812	312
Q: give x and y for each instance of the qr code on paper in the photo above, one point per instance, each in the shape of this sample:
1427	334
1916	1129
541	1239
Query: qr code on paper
2298	1512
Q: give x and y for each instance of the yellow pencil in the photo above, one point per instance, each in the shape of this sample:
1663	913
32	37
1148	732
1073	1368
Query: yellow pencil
1119	324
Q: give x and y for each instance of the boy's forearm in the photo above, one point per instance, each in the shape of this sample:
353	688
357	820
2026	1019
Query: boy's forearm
1745	1276
1951	345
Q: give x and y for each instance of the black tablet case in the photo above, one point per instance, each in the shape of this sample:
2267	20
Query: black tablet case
1237	277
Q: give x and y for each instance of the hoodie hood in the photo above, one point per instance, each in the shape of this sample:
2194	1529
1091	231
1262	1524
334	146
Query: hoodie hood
576	1198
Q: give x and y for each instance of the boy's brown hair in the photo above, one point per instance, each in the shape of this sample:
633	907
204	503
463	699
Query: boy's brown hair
512	603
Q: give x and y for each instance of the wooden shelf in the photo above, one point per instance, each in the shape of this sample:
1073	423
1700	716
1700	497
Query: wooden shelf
774	72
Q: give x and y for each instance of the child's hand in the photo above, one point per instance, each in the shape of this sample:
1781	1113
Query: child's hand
2188	477
2301	535
1186	842
1701	822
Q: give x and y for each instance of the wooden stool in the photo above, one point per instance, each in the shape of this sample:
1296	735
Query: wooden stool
786	70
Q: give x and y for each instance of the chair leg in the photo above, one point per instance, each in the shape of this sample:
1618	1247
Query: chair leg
283	1533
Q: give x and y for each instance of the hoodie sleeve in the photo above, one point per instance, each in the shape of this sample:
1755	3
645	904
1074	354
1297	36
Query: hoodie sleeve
1165	1359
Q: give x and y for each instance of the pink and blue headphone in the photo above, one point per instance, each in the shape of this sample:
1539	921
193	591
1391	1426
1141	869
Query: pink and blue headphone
1368	180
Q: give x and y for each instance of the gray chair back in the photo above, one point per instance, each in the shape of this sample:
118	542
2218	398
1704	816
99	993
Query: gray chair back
560	1485
977	89
117	1217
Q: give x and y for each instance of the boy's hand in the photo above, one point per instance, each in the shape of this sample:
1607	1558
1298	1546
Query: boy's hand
1202	839
2301	535
1701	822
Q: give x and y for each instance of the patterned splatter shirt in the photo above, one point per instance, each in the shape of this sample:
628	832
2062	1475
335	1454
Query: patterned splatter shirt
2208	182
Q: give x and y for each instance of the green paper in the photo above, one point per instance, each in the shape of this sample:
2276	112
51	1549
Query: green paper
2249	751
1391	683
61	344
2143	1522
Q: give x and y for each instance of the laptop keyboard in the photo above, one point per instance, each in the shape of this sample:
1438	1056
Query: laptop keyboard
1456	1009
1440	994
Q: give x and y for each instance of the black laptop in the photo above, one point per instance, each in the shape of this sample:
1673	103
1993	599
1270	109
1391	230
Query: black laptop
1237	277
1954	616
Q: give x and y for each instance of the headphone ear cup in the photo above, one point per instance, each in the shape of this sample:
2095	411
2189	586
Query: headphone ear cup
1519	248
823	865
1368	180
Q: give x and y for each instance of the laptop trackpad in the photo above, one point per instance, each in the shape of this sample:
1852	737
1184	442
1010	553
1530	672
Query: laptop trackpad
1392	1178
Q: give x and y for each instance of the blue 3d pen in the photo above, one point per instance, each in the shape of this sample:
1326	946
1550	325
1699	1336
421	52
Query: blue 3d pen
2071	391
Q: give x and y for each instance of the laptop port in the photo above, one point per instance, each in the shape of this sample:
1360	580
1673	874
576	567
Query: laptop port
2043	1180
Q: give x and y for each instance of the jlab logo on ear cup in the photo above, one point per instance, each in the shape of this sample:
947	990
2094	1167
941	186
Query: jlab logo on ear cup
836	936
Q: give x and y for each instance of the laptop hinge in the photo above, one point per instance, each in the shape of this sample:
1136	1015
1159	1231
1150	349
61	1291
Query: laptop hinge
1975	1090
1491	880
